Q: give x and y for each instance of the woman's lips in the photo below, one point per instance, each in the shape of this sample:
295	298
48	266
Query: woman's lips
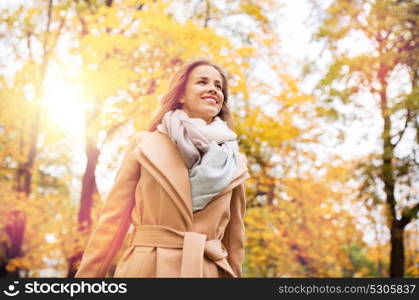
210	101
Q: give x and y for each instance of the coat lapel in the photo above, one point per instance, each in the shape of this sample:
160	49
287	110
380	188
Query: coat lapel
157	153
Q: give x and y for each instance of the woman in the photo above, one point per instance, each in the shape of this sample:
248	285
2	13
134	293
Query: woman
181	186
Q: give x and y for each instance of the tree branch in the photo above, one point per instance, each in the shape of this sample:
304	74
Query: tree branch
55	38
85	30
113	129
45	44
401	132
408	215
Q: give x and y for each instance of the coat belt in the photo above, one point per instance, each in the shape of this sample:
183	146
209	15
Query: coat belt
195	246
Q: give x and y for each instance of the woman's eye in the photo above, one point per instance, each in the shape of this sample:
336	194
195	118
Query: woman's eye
204	82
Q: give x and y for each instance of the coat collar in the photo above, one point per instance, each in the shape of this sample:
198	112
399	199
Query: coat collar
160	156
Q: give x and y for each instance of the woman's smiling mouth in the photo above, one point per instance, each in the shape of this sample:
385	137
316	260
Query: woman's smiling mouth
211	99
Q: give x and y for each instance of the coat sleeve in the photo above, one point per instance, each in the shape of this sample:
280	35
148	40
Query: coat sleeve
115	217
233	239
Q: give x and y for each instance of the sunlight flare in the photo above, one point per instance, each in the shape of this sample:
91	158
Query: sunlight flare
64	103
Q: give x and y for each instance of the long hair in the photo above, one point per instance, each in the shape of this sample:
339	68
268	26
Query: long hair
171	99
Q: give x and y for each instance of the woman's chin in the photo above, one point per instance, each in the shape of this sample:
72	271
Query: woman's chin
208	113
205	113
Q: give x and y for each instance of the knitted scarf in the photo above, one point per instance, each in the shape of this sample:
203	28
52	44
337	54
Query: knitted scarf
209	151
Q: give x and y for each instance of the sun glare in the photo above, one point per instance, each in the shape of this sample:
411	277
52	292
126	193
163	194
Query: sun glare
64	103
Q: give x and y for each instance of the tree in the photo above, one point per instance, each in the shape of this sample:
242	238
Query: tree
33	26
389	29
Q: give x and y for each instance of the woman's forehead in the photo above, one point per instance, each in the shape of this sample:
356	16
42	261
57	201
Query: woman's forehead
206	71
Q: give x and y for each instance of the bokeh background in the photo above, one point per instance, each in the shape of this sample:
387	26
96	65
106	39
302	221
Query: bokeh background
325	102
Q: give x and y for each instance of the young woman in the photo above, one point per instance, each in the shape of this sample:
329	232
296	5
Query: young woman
181	186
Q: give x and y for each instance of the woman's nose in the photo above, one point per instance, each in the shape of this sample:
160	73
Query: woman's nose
212	88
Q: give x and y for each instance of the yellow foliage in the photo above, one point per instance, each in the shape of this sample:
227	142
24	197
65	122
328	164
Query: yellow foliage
293	238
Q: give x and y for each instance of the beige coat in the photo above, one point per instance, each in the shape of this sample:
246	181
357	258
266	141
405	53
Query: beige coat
152	192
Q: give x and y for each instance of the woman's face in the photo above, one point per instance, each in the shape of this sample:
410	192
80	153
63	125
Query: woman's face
203	96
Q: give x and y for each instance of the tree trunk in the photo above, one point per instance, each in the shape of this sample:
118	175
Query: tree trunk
15	229
397	251
88	193
396	230
89	187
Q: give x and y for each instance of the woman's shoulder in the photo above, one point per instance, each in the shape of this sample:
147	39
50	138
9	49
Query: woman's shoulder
139	135
136	138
